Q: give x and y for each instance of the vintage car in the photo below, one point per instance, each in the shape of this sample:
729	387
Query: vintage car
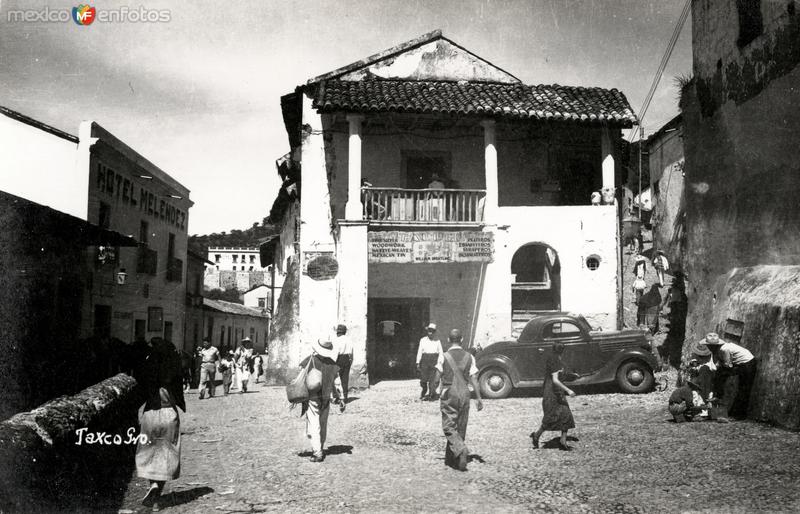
590	357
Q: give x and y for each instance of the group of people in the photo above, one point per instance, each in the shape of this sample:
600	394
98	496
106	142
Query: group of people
237	368
721	379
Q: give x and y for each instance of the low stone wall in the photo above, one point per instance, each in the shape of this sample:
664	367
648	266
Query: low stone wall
46	464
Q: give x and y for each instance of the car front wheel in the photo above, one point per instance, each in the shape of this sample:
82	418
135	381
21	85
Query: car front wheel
495	383
635	377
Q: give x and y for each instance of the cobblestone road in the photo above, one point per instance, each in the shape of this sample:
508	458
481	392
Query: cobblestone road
247	453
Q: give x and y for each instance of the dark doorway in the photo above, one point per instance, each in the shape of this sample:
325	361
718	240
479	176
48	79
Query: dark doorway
168	331
421	168
395	326
102	320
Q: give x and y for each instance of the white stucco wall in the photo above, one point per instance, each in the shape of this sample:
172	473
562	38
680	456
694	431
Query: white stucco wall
41	167
575	233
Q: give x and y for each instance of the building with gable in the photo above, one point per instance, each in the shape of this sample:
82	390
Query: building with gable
426	184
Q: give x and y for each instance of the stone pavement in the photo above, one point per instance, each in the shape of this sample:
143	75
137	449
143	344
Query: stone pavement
247	453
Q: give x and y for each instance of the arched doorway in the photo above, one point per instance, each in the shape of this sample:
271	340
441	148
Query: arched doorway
536	281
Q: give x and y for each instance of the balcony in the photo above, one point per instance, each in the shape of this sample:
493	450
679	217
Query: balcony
423	207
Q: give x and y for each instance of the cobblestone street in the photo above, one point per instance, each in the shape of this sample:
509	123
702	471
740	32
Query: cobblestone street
247	453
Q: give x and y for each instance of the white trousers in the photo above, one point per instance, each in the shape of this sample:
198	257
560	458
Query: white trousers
317	424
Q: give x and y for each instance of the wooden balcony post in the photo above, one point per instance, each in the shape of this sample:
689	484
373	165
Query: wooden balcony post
353	210
490	168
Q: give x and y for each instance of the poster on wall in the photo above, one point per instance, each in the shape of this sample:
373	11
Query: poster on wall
430	247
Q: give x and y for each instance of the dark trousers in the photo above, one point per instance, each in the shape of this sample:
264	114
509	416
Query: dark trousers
454	405
428	376
345	361
733	387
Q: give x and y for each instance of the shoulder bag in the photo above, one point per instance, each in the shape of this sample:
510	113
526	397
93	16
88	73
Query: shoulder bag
296	390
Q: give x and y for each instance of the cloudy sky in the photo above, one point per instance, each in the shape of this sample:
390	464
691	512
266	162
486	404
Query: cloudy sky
199	95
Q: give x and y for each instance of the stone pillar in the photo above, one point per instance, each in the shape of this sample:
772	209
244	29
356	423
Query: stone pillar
353	271
353	209
490	168
607	150
317	298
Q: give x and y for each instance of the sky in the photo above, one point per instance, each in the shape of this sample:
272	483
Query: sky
199	95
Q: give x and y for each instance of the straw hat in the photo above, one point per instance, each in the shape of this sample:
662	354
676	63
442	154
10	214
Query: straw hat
324	349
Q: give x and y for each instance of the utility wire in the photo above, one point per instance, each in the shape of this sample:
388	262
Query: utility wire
662	66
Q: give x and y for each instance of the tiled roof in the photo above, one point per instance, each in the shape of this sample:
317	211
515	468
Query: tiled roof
517	101
232	308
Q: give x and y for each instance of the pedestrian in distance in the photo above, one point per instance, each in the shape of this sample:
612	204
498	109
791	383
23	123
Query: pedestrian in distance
209	356
244	363
556	414
457	368
639	271
428	353
736	372
158	450
225	368
344	348
660	264
317	408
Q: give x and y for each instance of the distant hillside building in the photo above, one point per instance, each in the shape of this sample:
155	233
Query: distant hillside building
234	268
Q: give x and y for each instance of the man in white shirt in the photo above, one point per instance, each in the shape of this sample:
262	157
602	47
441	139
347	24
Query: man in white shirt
344	346
736	371
430	348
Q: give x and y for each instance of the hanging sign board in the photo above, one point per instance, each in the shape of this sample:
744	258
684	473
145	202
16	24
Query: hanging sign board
430	247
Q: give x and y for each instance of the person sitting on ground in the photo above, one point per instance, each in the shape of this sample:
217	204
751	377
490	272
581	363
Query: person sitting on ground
685	402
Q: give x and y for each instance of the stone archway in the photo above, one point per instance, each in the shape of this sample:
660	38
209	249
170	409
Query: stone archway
536	281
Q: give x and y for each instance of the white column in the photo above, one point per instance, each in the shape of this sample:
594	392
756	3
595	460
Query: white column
490	168
353	209
607	149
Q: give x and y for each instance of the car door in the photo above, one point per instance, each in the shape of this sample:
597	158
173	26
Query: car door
529	357
581	355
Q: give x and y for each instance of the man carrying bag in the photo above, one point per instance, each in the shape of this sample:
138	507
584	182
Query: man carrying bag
319	371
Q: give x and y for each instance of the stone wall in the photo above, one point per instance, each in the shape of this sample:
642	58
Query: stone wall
284	340
759	308
741	119
44	469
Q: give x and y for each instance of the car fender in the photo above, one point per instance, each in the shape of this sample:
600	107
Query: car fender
502	362
608	373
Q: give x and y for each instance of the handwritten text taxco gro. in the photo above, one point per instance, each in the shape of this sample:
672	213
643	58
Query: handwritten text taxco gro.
104	438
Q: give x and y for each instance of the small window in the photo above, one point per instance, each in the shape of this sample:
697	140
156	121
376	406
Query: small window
235	257
252	259
155	319
104	216
593	262
751	24
561	330
251	268
217	257
262	302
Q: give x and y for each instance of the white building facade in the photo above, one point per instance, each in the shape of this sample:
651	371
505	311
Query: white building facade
436	187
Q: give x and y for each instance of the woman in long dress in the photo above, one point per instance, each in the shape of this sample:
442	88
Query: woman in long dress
158	452
556	413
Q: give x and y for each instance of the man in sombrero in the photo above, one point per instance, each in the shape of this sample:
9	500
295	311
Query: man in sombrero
323	358
736	371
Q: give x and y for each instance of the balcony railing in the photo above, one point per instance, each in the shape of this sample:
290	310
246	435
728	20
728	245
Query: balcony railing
391	205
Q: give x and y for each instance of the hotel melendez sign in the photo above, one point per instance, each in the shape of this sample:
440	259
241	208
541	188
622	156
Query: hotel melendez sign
124	190
434	246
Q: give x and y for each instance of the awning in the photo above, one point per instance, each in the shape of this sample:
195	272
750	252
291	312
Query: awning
35	222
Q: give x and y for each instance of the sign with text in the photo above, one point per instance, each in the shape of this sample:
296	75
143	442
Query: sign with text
430	247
